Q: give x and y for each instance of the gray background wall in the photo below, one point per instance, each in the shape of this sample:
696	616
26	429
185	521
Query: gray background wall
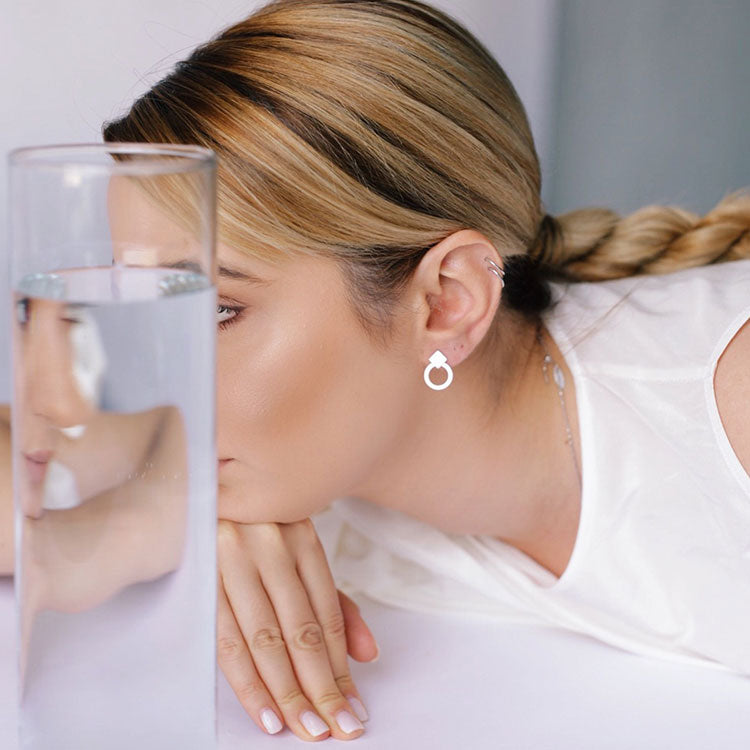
631	102
652	103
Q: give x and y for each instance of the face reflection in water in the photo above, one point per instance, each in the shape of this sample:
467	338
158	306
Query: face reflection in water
54	400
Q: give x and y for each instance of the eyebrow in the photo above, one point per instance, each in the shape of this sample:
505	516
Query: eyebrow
225	271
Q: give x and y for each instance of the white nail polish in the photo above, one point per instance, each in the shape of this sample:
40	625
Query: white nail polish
359	709
313	723
270	721
347	722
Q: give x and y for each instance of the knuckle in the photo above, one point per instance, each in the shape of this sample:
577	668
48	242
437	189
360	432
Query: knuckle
229	647
309	637
290	697
335	625
267	639
251	692
328	698
345	683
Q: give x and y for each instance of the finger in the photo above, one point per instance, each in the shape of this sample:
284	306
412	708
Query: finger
257	621
234	659
306	645
360	642
315	575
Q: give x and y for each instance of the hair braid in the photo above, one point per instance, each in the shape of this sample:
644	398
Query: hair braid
595	244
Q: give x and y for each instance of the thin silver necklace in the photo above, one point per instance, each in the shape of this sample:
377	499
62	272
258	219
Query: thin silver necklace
559	377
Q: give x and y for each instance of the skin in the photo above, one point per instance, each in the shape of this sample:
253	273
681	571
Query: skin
332	414
732	388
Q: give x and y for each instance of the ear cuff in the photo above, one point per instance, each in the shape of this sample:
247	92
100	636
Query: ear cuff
497	270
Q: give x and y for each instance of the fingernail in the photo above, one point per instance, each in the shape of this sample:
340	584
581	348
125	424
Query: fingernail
313	723
359	709
347	722
377	654
270	721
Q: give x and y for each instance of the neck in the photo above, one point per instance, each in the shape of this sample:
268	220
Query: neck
490	459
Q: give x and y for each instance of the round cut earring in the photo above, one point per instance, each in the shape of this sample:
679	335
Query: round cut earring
438	360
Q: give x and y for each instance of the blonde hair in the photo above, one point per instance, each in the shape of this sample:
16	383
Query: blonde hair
369	130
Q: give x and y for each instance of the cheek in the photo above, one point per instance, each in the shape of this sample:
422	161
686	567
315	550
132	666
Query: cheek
297	408
269	371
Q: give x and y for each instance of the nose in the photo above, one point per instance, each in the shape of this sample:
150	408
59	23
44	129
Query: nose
51	386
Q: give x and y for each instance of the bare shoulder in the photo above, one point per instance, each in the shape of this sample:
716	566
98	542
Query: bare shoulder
732	387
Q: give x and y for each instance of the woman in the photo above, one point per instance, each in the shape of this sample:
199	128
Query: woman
388	333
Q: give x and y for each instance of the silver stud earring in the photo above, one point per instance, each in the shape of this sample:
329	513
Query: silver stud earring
495	268
438	360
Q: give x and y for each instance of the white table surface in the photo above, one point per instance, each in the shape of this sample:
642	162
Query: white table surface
446	683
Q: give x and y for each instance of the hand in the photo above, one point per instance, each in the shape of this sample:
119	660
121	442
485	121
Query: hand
284	631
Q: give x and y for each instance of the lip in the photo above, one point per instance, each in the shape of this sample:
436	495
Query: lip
36	465
40	457
225	461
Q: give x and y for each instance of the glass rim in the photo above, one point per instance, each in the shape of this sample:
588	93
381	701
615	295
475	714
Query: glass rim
67	156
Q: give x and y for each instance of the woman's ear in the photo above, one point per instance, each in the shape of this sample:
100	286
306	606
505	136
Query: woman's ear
456	294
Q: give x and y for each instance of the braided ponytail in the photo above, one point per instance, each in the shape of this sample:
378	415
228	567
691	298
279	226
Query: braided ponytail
596	244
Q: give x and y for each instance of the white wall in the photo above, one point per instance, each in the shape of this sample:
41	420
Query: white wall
68	66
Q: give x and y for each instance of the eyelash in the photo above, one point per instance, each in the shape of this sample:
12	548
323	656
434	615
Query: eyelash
229	321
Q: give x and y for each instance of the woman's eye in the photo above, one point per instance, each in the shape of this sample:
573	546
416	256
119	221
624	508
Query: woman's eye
226	314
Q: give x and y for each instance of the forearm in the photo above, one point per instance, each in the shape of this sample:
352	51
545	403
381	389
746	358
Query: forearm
85	555
134	532
112	449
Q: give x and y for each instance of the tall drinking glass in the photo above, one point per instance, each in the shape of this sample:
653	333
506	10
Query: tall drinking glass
112	263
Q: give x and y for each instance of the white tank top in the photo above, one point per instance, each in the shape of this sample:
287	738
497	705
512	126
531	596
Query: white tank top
661	562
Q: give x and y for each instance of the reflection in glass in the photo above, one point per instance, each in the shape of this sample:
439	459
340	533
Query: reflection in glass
114	458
